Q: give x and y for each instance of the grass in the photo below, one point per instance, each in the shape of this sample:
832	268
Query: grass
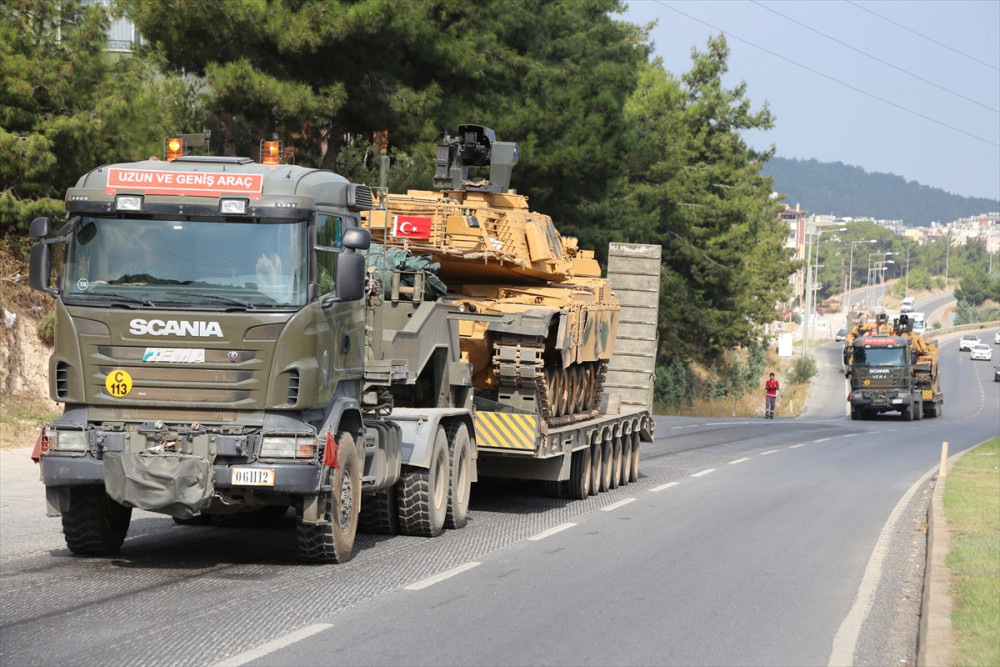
21	418
972	508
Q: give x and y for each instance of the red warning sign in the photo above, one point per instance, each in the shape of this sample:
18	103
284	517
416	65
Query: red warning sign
187	183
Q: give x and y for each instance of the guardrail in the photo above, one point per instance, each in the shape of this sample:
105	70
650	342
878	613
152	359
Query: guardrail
976	326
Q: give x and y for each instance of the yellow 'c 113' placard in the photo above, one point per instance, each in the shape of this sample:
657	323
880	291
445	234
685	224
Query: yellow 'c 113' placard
118	383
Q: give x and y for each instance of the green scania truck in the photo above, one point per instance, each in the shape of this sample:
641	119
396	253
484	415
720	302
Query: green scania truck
222	347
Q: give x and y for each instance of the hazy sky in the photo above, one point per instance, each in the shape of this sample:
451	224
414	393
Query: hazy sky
910	88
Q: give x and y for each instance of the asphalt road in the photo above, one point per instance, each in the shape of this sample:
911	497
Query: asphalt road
744	542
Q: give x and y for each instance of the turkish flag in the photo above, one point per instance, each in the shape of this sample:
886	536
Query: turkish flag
411	227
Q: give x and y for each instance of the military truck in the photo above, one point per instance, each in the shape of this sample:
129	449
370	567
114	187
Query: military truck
222	347
891	369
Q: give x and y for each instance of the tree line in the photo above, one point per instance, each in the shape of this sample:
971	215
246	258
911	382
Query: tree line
613	146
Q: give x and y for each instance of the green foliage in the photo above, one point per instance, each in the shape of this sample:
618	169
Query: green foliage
969	313
67	105
974	285
46	328
803	370
851	191
674	384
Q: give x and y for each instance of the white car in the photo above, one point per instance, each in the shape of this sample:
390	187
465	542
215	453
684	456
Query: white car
981	351
967	342
996	338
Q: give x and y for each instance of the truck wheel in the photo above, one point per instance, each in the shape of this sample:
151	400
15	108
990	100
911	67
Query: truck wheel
460	482
580	473
94	524
379	513
856	413
607	464
633	475
918	411
907	413
626	460
423	494
616	463
332	541
596	468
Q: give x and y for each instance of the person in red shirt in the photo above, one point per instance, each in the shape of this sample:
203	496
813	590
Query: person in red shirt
771	389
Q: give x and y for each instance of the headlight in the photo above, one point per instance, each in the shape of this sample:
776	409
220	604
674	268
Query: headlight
70	441
287	447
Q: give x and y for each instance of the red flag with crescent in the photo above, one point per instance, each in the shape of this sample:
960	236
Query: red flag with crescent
411	227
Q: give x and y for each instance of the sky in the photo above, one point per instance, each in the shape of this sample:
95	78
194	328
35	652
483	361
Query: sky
904	87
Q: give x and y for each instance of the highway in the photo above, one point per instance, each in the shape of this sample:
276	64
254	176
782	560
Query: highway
745	541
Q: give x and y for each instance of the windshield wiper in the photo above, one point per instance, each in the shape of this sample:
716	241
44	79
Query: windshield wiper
126	297
220	297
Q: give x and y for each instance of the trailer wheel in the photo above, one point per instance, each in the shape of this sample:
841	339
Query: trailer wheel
460	482
626	459
423	494
607	464
616	462
907	413
332	540
857	413
596	468
580	474
633	475
94	524
379	513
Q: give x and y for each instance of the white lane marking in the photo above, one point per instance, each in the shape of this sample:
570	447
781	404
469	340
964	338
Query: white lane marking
551	531
846	640
430	581
661	487
703	472
272	646
614	506
801	444
770	451
821	440
745	458
850	435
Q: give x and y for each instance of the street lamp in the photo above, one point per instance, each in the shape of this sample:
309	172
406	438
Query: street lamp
906	293
869	293
850	271
811	230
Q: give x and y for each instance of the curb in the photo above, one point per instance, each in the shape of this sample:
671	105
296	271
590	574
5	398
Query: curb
935	644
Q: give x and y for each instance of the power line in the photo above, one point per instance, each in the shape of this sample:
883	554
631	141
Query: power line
929	39
827	76
875	58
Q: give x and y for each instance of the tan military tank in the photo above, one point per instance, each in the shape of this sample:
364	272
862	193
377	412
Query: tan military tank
540	321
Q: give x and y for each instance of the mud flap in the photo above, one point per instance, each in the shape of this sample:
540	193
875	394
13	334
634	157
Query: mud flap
180	485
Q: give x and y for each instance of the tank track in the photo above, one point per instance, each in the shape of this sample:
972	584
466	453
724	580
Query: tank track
564	395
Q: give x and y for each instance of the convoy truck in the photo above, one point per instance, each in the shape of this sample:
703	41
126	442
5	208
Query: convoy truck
222	347
892	369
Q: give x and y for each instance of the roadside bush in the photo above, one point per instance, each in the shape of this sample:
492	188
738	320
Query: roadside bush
46	328
674	384
803	370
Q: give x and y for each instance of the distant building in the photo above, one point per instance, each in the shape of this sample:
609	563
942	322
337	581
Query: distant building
122	35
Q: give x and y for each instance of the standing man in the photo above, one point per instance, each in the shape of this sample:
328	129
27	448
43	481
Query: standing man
771	389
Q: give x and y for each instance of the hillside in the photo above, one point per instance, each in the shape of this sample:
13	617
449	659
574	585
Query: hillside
847	191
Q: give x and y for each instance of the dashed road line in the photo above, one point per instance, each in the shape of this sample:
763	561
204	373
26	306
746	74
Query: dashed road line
551	531
801	444
770	451
661	487
272	646
821	440
745	458
430	581
703	472
614	506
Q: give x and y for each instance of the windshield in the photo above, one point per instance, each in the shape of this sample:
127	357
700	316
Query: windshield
217	264
880	356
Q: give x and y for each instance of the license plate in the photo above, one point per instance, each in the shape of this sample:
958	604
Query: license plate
897	401
253	477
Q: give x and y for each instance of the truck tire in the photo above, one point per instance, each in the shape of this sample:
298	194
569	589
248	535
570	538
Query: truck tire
423	494
379	513
626	459
616	462
907	413
857	413
596	468
932	409
94	524
460	479
332	540
633	475
580	474
607	464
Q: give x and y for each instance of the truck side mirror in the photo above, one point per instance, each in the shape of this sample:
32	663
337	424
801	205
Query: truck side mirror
350	278
357	238
40	268
40	228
